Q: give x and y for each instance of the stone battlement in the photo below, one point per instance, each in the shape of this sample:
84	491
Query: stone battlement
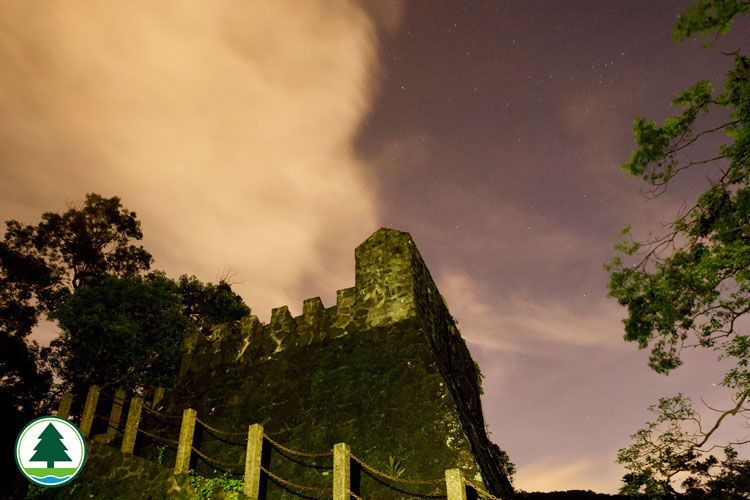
386	265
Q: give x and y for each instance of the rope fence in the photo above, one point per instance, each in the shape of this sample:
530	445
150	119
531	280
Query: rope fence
162	415
159	438
295	452
215	461
109	424
454	480
394	478
480	490
107	395
293	485
213	429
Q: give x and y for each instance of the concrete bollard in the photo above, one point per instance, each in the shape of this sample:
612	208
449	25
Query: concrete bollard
63	411
92	398
184	448
341	472
251	486
158	396
454	484
114	415
131	426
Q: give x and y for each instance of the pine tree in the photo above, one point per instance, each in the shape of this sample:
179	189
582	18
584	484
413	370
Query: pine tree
50	448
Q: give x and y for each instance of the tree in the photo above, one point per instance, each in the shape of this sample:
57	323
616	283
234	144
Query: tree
209	304
690	287
50	448
40	265
121	332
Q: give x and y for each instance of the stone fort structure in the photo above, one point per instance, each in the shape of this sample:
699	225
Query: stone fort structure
385	371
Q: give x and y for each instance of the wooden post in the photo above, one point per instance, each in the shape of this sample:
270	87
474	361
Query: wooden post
114	415
88	410
63	411
341	472
184	448
158	396
454	484
131	426
251	486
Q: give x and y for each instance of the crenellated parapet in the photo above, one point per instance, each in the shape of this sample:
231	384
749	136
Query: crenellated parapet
384	293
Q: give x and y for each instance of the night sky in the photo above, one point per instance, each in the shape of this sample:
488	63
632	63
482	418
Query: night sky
268	139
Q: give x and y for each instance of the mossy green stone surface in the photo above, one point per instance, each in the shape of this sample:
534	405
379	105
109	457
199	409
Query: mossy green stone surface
385	370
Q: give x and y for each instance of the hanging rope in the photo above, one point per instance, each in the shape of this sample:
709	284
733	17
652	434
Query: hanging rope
109	425
480	490
213	460
293	485
295	452
154	436
204	424
394	478
154	412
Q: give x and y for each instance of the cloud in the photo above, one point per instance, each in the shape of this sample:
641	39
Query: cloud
515	323
226	126
560	474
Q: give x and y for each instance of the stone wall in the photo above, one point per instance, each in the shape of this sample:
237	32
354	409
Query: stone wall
116	476
385	370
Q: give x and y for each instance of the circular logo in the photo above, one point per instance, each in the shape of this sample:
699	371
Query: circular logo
50	451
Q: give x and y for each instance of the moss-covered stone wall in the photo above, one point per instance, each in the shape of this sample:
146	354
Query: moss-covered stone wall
385	370
113	475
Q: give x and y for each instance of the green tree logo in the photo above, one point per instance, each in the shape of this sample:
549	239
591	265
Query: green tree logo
50	451
50	448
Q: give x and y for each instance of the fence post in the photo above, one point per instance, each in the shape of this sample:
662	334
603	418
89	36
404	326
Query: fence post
131	426
158	396
251	486
115	414
341	472
63	411
184	448
454	484
88	410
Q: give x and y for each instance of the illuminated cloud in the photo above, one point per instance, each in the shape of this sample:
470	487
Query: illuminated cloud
226	126
514	323
560	474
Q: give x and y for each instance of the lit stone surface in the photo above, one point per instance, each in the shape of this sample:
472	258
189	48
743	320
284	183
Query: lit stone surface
384	371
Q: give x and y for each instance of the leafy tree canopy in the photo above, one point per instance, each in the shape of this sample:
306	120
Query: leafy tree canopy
690	287
39	267
41	264
208	304
121	332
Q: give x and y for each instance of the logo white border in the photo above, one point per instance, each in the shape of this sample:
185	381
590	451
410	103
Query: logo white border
65	422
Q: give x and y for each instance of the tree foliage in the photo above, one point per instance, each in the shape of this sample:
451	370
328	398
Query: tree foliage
707	16
667	449
119	328
121	332
690	287
208	304
41	264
